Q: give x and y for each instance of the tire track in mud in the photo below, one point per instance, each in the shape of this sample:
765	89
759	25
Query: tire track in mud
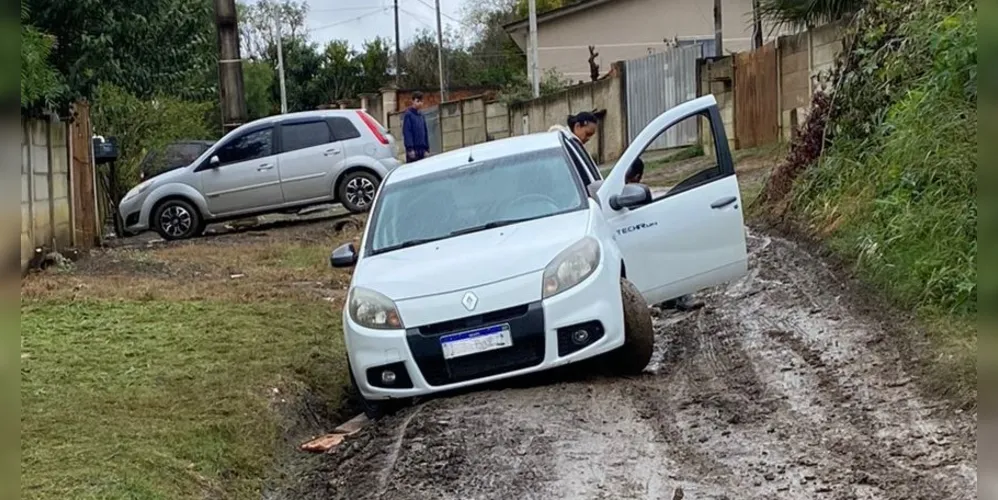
774	390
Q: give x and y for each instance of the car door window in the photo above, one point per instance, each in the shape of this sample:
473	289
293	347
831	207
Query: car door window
343	129
689	159
257	144
295	136
586	158
579	167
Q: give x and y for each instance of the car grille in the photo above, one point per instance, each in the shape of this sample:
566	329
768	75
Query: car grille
476	321
526	324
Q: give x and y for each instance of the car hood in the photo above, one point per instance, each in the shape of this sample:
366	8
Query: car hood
472	259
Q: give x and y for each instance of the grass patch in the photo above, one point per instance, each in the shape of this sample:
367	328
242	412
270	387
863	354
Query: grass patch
150	373
894	189
163	399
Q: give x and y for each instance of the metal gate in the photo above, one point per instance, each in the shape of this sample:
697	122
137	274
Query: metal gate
657	83
757	108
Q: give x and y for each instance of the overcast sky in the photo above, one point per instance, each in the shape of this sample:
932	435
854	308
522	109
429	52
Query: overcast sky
360	20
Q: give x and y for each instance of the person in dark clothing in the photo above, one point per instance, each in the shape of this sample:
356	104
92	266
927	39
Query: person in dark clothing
415	135
686	302
582	125
636	171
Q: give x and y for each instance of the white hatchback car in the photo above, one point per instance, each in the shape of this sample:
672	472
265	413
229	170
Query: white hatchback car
497	260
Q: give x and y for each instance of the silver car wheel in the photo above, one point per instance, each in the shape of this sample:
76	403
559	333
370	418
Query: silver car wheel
360	191
175	221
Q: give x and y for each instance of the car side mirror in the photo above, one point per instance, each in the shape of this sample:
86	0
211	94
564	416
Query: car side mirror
632	196
344	256
214	162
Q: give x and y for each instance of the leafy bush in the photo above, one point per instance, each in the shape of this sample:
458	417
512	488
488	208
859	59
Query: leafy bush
895	188
144	125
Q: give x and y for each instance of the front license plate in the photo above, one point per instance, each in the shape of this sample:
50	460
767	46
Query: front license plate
477	341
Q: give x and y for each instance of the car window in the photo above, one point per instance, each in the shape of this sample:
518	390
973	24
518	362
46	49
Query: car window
247	147
343	128
473	197
297	136
586	158
175	155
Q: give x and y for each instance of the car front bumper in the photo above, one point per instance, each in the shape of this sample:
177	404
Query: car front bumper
541	334
132	216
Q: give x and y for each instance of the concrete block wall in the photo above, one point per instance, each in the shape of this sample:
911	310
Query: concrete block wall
717	78
46	199
462	123
496	120
539	115
805	61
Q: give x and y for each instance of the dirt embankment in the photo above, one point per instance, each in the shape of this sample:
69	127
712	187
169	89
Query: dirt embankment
778	388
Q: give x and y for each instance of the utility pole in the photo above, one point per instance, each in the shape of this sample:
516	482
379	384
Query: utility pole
398	49
230	66
756	25
718	38
440	55
280	60
535	77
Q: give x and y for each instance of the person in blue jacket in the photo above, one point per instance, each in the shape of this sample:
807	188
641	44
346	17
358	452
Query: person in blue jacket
415	136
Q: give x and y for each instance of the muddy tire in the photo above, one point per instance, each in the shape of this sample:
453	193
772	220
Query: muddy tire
177	220
639	335
375	409
356	191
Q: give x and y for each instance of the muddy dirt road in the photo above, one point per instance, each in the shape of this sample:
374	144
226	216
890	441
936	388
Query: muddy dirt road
776	389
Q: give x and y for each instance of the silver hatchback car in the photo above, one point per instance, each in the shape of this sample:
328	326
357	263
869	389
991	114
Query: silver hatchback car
277	164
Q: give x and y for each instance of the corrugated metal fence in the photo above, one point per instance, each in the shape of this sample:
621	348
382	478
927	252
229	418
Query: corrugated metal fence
657	83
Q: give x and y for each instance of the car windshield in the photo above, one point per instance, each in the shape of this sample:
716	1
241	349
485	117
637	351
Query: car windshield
478	196
171	157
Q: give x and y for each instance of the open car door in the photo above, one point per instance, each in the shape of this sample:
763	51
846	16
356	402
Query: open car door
690	237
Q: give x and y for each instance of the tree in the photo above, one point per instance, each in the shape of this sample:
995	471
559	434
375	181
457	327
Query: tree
804	13
147	48
341	71
258	80
302	63
41	84
500	61
374	63
257	24
523	7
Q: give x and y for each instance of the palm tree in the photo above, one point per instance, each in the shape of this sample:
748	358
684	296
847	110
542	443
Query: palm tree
804	13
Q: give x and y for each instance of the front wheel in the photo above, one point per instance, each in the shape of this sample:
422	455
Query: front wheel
177	220
639	334
357	190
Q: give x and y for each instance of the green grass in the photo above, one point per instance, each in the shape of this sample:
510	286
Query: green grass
165	399
896	191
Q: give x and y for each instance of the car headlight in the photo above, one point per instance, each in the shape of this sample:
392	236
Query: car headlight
371	309
137	190
571	266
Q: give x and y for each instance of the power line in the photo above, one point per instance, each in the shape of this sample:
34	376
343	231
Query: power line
340	9
424	2
358	18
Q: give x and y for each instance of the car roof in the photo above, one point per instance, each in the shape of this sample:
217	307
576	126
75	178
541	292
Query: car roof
478	152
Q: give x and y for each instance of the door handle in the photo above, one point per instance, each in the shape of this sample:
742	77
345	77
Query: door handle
723	202
330	152
265	166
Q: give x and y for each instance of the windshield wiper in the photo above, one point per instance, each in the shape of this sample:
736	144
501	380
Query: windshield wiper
407	244
490	225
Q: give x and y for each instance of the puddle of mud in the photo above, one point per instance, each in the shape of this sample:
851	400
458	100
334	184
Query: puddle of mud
776	389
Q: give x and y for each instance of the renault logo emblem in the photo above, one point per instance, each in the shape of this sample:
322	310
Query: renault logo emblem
469	301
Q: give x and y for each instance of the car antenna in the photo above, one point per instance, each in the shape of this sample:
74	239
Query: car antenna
470	157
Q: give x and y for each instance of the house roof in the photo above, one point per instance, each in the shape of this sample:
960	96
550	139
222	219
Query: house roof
562	11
